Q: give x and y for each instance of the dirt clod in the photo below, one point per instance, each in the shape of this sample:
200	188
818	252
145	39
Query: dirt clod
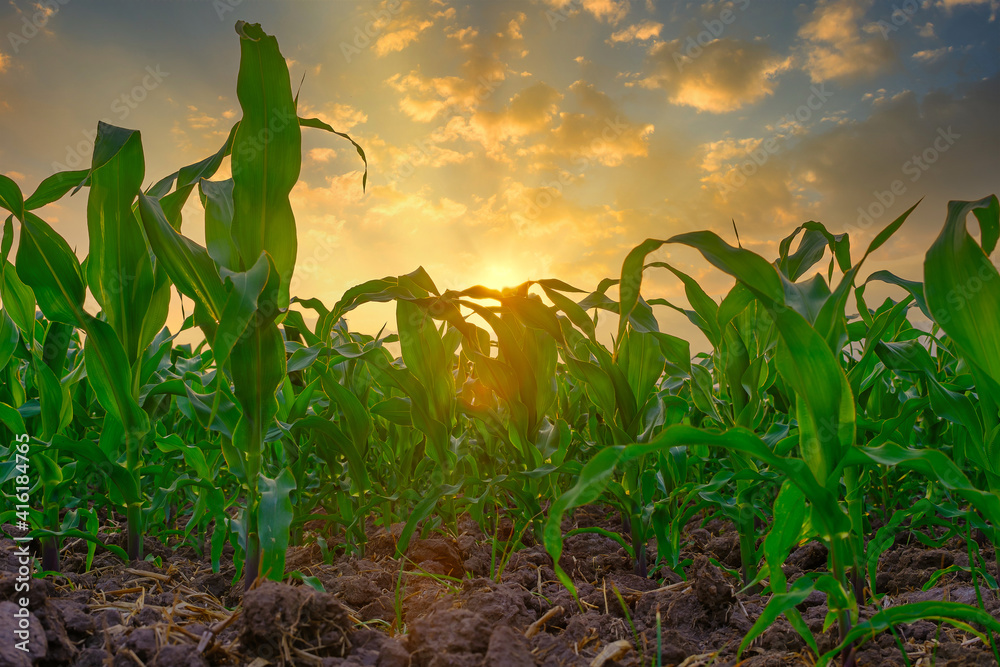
278	618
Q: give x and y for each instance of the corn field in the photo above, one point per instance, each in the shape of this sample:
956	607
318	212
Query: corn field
284	430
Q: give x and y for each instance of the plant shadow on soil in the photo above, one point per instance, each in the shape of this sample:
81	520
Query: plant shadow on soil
454	615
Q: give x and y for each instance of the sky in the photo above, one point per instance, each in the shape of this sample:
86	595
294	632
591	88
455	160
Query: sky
526	139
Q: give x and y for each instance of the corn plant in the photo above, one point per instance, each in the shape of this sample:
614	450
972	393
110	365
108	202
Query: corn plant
240	282
119	275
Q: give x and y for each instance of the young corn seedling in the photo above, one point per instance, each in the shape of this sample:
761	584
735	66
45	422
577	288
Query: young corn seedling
240	282
120	276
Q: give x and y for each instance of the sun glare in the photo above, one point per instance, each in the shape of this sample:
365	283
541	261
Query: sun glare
502	275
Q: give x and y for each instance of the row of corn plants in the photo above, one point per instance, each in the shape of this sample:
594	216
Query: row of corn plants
803	421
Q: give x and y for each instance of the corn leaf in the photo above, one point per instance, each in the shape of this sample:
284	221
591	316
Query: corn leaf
47	264
189	265
275	520
119	267
267	152
963	286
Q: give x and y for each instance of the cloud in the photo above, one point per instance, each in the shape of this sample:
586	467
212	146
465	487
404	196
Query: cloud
322	154
201	128
399	38
725	75
601	134
639	31
607	11
527	112
400	163
837	45
399	25
343	117
481	73
930	56
950	5
855	163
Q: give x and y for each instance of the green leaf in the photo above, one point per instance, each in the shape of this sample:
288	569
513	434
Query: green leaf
642	361
193	456
11	197
119	267
258	369
780	603
953	613
356	419
916	289
320	125
217	199
784	534
84	450
600	388
312	582
241	307
421	511
631	281
55	187
110	377
189	265
963	286
8	338
12	419
754	271
267	153
53	401
703	304
56	345
187	177
18	300
274	522
343	445
934	465
425	356
46	263
811	249
886	536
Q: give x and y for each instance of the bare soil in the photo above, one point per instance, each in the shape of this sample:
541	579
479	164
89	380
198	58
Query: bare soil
439	607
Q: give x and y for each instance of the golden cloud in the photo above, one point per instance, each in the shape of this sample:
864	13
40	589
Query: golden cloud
639	31
724	75
609	11
836	44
